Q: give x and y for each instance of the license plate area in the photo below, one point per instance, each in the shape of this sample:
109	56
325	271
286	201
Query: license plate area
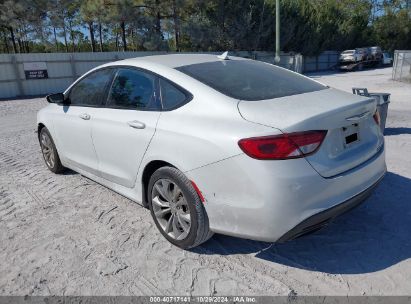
350	135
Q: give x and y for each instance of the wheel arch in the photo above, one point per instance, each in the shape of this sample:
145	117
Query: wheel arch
148	171
40	126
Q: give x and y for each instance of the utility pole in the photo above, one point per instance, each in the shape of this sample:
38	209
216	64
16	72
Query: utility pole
277	31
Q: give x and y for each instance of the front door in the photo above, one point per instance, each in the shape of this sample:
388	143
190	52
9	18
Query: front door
123	130
73	123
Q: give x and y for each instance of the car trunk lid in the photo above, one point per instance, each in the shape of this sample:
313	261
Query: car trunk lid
352	138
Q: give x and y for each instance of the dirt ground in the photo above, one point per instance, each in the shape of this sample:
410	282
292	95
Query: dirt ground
66	235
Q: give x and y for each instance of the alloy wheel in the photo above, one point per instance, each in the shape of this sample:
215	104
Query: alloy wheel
47	149
171	209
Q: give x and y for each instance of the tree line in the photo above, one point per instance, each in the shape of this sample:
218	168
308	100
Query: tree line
307	26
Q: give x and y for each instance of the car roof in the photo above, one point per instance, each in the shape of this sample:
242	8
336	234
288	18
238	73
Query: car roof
174	60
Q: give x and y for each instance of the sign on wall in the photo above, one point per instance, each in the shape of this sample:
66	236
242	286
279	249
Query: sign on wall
35	70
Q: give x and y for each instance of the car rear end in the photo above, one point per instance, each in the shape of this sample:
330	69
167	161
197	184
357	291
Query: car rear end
338	137
324	156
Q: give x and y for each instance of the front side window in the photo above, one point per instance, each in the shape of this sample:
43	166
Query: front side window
250	79
171	96
133	89
90	90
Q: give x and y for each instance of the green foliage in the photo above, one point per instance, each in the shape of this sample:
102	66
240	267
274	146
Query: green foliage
317	25
393	30
307	26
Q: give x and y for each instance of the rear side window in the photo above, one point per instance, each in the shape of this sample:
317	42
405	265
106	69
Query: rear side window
90	90
171	96
133	89
250	80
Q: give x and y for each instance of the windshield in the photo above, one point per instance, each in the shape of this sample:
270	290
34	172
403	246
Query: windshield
348	52
250	80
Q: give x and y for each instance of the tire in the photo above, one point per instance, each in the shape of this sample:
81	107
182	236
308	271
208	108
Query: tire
49	151
172	201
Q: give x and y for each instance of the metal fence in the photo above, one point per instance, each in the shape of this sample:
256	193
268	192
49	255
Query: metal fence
59	70
401	70
325	61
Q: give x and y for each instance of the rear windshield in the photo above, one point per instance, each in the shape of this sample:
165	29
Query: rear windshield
348	52
250	80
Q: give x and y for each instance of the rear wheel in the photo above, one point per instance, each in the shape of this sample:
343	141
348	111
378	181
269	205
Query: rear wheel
177	209
49	151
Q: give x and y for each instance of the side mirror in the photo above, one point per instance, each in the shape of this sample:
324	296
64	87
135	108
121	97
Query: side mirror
56	98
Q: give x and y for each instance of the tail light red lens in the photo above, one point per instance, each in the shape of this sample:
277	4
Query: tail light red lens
377	117
285	146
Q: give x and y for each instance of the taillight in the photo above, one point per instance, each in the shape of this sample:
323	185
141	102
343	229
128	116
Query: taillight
285	146
377	117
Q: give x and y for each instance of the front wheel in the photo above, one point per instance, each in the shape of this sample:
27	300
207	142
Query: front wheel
177	209
49	151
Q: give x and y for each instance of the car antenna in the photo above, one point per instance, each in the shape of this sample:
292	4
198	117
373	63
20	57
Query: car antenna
223	56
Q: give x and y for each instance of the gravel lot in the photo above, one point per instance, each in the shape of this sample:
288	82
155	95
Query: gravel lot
66	235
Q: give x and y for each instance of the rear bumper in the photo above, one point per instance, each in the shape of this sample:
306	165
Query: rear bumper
265	200
321	219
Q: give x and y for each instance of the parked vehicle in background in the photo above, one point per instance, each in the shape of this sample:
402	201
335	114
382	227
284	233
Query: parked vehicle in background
364	54
387	58
350	56
361	58
375	53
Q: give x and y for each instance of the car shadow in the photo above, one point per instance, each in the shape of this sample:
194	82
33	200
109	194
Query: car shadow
396	131
372	237
69	172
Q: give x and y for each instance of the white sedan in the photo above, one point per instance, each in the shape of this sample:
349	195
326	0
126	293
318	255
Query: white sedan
213	144
352	56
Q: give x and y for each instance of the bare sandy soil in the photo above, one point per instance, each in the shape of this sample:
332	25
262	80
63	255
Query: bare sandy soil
66	235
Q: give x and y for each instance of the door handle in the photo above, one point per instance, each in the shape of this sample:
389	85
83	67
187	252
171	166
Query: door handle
85	116
136	124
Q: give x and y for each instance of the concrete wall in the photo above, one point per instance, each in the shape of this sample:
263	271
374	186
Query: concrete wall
64	68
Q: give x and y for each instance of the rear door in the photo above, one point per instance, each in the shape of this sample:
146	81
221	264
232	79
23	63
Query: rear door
123	129
73	122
